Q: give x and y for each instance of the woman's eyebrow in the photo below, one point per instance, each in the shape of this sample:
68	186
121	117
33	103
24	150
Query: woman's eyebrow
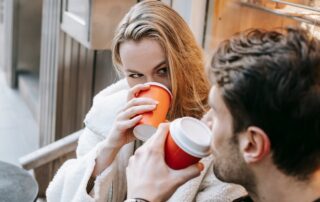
155	68
132	71
160	64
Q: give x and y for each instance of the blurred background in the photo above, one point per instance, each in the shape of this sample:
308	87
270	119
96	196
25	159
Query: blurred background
55	56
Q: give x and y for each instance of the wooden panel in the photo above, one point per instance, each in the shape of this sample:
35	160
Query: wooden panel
75	87
45	173
68	93
60	85
104	71
229	17
85	84
43	176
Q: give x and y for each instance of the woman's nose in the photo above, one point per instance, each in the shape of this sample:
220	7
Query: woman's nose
150	79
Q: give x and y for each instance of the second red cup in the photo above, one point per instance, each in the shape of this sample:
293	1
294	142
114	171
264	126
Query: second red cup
188	141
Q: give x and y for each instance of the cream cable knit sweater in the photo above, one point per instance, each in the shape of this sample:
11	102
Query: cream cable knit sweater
69	184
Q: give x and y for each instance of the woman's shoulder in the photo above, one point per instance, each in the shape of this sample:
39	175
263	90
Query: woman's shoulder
106	105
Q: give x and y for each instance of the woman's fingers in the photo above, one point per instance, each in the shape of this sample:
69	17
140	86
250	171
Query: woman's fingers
136	89
124	125
140	101
135	110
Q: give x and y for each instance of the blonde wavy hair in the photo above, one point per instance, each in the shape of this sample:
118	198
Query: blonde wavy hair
155	20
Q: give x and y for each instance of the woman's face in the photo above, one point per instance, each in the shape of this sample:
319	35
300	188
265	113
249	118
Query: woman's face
144	61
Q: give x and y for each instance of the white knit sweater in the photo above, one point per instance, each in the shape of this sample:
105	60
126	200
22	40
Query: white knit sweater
69	184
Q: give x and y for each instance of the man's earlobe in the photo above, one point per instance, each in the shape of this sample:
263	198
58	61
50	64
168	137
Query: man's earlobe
254	144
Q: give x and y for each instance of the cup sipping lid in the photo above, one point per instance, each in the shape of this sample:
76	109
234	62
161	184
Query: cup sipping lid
192	136
162	86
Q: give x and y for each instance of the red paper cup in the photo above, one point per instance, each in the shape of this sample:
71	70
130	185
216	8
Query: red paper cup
188	141
150	120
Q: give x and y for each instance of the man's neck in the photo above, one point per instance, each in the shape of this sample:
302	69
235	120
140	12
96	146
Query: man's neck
273	185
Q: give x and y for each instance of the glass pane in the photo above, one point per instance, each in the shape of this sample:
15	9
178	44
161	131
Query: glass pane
79	8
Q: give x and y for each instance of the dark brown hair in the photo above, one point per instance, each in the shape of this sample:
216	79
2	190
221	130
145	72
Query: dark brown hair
271	79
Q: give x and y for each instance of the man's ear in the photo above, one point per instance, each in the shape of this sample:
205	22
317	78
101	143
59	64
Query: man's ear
254	144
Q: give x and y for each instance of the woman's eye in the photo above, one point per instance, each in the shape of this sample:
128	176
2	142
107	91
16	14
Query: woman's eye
163	71
135	75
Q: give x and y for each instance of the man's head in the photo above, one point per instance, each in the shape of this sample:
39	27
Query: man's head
266	104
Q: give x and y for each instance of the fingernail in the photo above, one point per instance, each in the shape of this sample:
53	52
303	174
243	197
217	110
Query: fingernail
200	166
152	106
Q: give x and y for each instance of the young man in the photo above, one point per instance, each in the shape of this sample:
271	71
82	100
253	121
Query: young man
265	122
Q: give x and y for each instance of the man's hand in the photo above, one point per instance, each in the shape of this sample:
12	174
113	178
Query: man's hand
149	177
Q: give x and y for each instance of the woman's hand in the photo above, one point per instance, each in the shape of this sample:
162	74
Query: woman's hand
149	177
121	132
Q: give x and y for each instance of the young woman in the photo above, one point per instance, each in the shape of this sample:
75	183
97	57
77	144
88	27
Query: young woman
152	44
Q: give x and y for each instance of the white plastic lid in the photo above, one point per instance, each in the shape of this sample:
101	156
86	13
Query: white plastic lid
143	132
162	86
192	136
